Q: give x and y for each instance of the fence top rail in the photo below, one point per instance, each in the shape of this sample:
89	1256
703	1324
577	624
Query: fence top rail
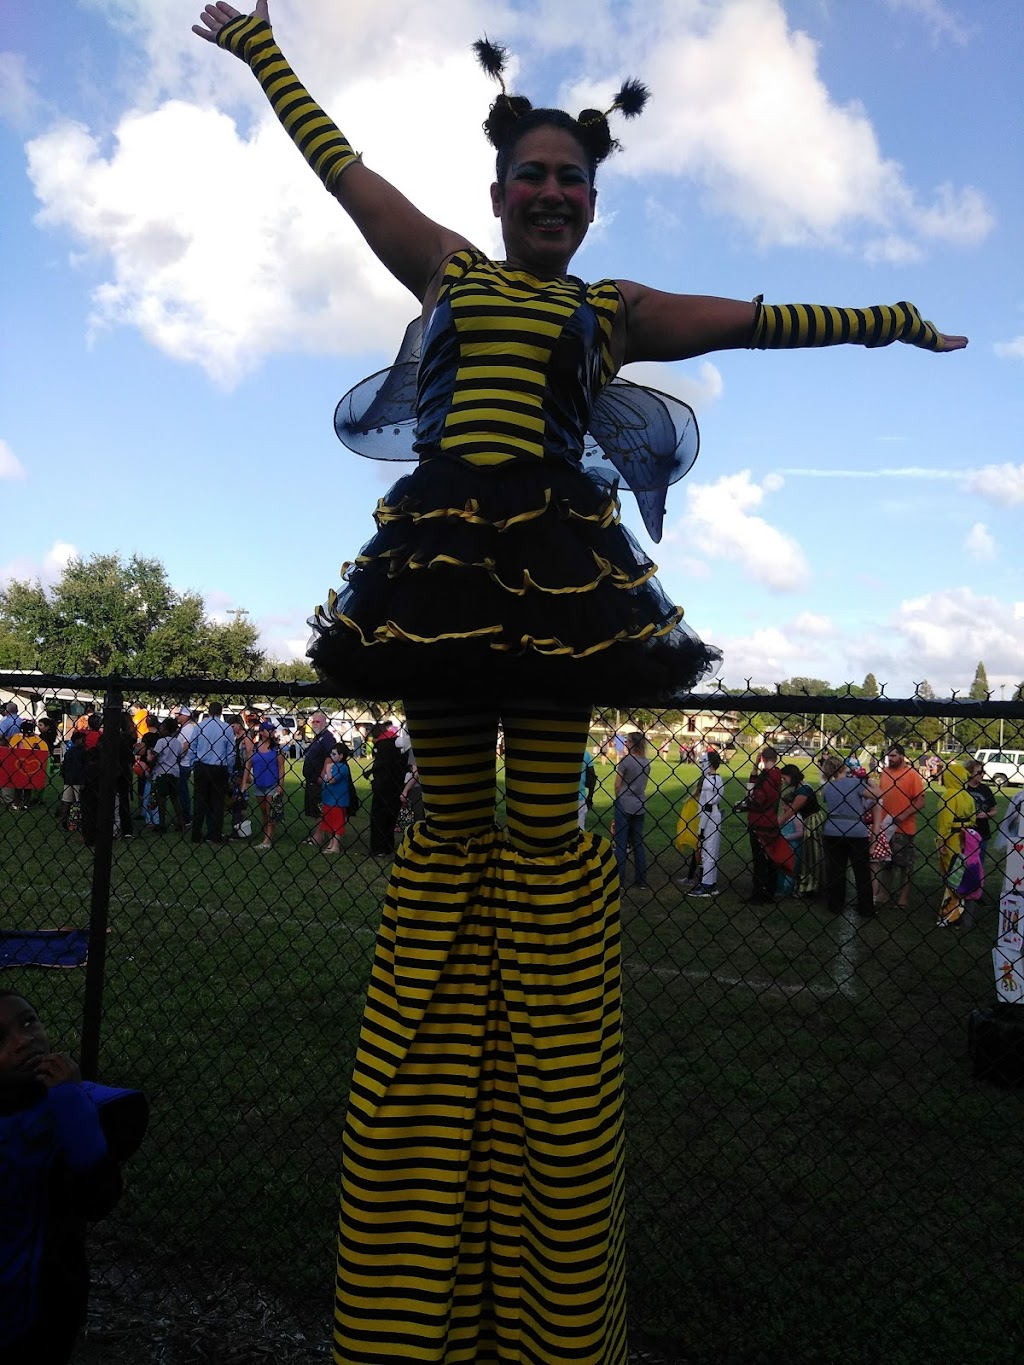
32	682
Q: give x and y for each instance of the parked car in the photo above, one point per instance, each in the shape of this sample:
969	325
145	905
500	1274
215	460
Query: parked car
1003	767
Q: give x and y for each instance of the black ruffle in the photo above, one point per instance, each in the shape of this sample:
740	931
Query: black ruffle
508	581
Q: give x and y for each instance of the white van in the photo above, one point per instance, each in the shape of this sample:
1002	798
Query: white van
1003	767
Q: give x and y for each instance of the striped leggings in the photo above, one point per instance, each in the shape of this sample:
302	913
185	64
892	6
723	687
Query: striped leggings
481	1206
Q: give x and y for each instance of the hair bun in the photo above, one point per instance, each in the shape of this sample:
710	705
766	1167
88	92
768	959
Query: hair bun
505	113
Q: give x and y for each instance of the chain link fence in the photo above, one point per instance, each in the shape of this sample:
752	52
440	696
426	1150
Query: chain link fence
822	1163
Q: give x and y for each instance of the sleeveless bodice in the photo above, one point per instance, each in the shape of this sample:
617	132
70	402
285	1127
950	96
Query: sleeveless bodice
511	365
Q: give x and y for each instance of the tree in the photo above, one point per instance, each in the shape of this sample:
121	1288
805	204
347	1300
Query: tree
979	687
811	687
105	615
869	687
295	670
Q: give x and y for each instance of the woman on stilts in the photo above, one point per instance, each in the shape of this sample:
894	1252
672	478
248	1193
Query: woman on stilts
482	1187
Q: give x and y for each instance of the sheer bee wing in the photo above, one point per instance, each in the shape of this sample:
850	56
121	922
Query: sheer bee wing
377	417
650	438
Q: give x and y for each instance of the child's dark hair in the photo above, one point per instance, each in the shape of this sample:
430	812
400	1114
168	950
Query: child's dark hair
511	116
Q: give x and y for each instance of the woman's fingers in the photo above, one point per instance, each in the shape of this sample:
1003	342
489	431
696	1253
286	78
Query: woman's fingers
215	17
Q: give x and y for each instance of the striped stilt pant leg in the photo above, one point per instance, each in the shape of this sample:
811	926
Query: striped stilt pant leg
412	1247
557	1185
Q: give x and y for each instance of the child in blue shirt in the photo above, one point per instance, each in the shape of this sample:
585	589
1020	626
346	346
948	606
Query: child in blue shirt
62	1140
335	798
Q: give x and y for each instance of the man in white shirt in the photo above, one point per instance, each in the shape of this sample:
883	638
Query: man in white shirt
212	748
710	802
186	733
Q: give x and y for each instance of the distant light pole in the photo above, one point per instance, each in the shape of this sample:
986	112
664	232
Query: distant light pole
1002	694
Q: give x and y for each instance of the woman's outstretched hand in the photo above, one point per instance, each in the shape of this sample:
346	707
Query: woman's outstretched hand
952	343
214	17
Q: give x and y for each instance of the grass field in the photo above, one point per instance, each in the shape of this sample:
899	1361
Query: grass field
814	1177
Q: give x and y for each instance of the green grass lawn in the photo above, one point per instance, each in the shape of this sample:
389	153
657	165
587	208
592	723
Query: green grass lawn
813	1175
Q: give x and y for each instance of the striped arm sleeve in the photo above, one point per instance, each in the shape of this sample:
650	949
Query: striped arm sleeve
788	325
320	141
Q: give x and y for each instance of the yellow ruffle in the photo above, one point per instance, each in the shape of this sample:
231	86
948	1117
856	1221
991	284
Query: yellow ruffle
402	563
392	632
386	514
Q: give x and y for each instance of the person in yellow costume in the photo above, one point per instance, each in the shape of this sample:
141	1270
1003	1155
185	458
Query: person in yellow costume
481	1213
956	815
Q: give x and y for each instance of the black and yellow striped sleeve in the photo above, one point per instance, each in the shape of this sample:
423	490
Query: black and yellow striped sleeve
789	325
317	137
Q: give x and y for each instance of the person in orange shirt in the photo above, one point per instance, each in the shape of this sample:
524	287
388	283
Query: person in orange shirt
903	792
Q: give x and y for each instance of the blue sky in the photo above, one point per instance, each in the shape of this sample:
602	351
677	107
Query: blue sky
183	305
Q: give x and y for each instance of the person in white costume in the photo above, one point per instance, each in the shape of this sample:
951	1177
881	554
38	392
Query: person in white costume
710	802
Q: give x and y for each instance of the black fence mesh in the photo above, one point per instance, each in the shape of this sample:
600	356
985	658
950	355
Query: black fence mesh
823	1149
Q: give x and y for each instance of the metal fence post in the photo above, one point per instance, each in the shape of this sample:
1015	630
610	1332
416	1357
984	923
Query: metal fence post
99	904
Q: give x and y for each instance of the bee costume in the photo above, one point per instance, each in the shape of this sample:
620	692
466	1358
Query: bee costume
481	1213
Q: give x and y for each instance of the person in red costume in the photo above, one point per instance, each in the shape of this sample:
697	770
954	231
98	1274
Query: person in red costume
768	850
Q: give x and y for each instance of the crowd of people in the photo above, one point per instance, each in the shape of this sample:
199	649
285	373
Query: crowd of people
210	775
214	776
807	839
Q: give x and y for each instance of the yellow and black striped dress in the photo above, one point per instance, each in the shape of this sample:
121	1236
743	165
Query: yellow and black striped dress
500	567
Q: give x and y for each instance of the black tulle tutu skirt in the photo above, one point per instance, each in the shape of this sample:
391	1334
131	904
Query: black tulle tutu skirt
515	581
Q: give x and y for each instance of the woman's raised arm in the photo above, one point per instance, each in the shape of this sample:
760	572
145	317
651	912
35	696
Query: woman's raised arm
662	326
410	244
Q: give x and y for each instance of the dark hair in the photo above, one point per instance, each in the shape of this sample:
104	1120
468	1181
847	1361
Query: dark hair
896	749
512	116
792	771
505	127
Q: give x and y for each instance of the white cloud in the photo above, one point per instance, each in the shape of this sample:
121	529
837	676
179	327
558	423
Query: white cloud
939	636
18	98
750	118
898	472
946	632
10	466
47	570
1002	484
939	18
892	250
961	217
721	524
1012	350
698	390
765	657
218	245
284	638
814	625
979	543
